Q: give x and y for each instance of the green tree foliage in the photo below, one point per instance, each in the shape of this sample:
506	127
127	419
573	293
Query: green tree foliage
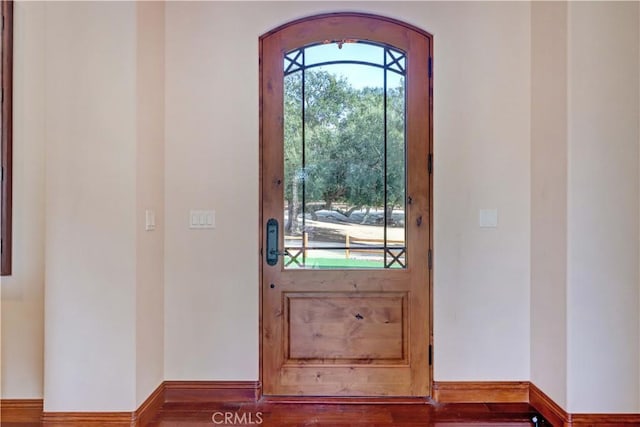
344	132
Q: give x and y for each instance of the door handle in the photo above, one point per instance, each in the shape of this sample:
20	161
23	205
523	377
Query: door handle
272	235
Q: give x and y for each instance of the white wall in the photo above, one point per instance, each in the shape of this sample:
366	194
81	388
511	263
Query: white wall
603	240
22	321
482	114
90	240
549	199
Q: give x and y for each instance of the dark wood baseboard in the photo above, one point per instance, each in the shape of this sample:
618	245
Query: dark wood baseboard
21	410
549	409
89	419
211	391
139	418
558	417
481	391
604	420
150	407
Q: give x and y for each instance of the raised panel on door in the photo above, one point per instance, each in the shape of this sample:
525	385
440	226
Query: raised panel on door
345	327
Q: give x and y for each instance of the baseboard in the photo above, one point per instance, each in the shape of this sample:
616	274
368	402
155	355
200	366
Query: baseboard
21	410
211	391
604	420
549	409
140	418
558	417
168	391
89	419
150	407
481	391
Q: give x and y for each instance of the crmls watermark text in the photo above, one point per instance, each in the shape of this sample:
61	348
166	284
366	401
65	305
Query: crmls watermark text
236	418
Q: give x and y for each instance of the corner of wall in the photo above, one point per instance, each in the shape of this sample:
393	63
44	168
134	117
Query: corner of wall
150	198
549	198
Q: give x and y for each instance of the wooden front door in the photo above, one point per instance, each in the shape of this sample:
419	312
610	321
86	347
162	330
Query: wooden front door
345	208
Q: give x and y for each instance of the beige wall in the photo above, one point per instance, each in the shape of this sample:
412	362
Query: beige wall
105	168
481	120
585	281
549	199
603	240
150	195
482	113
23	293
90	240
211	292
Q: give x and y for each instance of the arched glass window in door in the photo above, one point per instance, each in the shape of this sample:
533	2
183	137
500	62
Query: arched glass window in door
345	156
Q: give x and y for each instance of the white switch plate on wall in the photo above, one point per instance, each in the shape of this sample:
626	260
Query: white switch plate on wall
488	218
149	220
202	219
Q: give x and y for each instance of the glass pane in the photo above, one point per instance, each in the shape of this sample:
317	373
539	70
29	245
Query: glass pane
293	170
396	170
361	52
344	164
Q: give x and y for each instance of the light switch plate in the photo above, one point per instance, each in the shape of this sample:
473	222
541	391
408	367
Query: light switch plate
199	219
488	218
149	220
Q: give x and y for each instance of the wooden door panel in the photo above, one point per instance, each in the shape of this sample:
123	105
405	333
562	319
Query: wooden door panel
347	331
345	327
344	381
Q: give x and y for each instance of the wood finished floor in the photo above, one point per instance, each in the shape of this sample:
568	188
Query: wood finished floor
315	415
335	415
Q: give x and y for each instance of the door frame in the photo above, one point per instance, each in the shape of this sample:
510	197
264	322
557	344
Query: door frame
261	225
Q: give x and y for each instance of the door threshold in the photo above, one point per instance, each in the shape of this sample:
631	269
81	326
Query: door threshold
348	400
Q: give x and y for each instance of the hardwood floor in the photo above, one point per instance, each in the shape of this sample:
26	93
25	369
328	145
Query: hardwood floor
337	415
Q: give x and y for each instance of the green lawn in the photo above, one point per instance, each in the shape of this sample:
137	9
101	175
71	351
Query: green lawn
313	262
